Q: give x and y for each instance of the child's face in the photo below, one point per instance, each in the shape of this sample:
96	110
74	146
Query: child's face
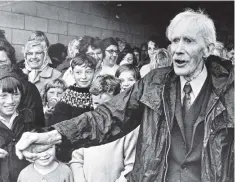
47	157
100	99
83	76
9	102
54	92
127	80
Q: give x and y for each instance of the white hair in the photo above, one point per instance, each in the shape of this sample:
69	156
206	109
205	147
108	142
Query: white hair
197	19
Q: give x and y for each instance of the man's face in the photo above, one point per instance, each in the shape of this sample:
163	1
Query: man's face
46	157
4	59
121	45
111	54
100	99
83	76
188	48
96	54
35	57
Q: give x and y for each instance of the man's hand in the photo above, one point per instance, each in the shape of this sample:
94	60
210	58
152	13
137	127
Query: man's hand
3	153
31	144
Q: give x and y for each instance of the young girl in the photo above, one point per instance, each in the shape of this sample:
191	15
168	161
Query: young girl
128	75
15	119
46	168
51	95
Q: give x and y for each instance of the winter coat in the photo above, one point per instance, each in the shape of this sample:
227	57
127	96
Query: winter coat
150	103
11	165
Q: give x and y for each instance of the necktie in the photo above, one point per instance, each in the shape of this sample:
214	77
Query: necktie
187	98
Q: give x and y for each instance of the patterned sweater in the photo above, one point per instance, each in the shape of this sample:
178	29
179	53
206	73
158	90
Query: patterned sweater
74	102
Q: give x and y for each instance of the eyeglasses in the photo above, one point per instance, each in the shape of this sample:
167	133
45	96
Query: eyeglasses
111	51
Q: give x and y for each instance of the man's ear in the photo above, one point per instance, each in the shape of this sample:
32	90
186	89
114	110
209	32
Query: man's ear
209	50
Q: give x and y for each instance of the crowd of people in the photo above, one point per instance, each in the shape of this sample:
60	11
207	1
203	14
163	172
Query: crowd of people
103	111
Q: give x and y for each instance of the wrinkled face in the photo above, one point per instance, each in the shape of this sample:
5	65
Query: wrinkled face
54	92
46	157
127	80
83	75
100	99
152	49
111	54
9	102
4	59
188	48
128	59
35	57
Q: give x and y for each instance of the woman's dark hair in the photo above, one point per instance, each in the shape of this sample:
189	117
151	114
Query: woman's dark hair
159	41
81	59
9	49
87	41
128	67
39	36
122	55
57	83
10	85
108	42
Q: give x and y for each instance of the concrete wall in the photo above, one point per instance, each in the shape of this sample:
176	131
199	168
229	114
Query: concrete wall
65	20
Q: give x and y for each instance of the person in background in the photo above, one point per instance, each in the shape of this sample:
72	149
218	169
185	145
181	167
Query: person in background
144	58
57	53
110	55
36	35
32	99
128	75
46	168
37	65
109	162
92	47
162	58
73	49
51	95
126	57
15	119
136	51
154	43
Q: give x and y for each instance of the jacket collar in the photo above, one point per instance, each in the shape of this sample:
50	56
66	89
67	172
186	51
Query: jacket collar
45	73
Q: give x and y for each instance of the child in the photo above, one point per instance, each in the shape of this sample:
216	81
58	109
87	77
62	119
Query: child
51	95
76	99
46	168
15	119
128	75
108	162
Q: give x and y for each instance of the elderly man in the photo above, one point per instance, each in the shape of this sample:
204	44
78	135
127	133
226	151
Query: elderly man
185	113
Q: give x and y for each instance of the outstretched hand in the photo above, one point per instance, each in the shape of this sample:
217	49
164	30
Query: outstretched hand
31	143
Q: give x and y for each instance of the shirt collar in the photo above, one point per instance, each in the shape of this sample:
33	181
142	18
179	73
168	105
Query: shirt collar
10	123
196	83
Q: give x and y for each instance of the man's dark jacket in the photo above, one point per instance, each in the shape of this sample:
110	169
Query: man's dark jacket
150	103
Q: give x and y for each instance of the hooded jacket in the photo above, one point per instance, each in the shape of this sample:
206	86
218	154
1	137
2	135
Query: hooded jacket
150	103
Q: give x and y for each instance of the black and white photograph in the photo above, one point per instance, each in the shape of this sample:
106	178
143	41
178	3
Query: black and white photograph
116	91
